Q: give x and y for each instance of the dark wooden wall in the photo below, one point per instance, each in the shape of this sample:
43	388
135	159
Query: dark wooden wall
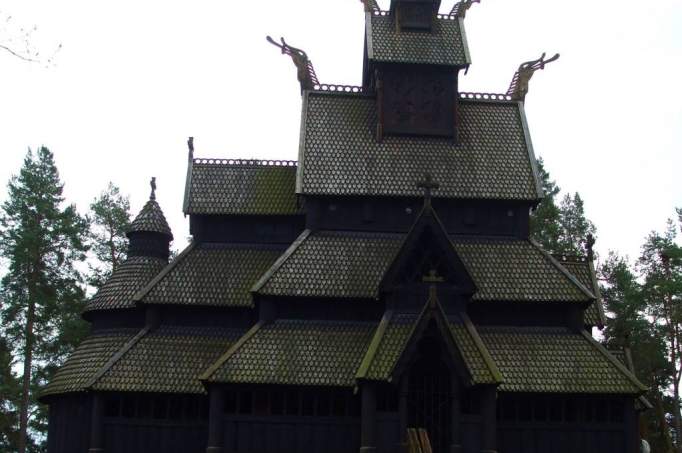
69	423
565	424
488	218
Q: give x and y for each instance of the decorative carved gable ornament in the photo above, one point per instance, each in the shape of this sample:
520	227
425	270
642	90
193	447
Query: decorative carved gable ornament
305	69
518	88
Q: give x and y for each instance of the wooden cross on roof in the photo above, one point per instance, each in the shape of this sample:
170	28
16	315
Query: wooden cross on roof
152	196
428	184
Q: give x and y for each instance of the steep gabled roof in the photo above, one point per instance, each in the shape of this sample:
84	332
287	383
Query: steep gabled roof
168	360
339	153
555	360
296	352
88	358
241	187
398	333
427	248
331	264
583	270
210	274
352	265
130	277
445	45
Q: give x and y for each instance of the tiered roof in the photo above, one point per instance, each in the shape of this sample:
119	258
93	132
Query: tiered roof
446	45
241	187
351	265
339	153
151	219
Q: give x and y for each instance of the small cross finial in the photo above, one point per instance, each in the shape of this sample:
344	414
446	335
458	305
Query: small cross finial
428	184
152	183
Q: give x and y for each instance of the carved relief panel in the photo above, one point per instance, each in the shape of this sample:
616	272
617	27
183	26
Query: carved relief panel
418	101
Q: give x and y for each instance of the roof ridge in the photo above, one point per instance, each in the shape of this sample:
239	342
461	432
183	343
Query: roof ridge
374	345
232	349
280	261
563	270
481	347
254	163
621	367
116	357
144	291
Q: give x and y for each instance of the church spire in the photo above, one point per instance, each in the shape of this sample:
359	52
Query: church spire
149	233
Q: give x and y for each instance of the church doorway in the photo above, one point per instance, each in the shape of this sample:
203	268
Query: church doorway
429	394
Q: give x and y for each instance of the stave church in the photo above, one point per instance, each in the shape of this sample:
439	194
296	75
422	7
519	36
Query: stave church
381	294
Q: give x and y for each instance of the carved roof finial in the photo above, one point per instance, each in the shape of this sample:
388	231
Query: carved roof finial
305	70
460	8
190	146
589	246
428	184
370	6
152	183
518	88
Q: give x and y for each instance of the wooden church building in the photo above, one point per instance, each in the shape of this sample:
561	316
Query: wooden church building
384	281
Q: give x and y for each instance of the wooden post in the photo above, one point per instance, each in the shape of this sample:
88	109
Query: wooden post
455	444
631	427
369	410
215	420
97	425
489	419
402	407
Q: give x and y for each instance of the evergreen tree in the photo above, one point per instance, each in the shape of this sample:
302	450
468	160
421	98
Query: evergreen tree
627	325
110	217
9	398
660	266
544	220
41	241
574	226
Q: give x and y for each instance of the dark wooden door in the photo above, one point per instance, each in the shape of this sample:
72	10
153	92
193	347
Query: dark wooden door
429	396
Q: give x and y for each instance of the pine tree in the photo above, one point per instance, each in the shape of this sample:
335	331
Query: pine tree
9	398
41	240
544	220
110	217
574	226
627	325
660	266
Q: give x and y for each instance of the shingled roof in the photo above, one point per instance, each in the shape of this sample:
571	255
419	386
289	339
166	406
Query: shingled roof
88	358
151	219
296	352
211	274
351	265
581	268
446	44
396	330
130	277
241	187
556	360
169	359
339	154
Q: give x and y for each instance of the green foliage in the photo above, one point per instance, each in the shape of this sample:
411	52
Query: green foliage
110	218
644	313
561	229
9	400
544	220
574	227
42	295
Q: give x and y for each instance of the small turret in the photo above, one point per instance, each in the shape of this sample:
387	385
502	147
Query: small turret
149	233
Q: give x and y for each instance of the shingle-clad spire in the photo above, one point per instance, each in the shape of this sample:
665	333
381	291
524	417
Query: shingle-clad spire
149	233
151	218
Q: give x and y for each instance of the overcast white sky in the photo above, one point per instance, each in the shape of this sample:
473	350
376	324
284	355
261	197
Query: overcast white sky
135	78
